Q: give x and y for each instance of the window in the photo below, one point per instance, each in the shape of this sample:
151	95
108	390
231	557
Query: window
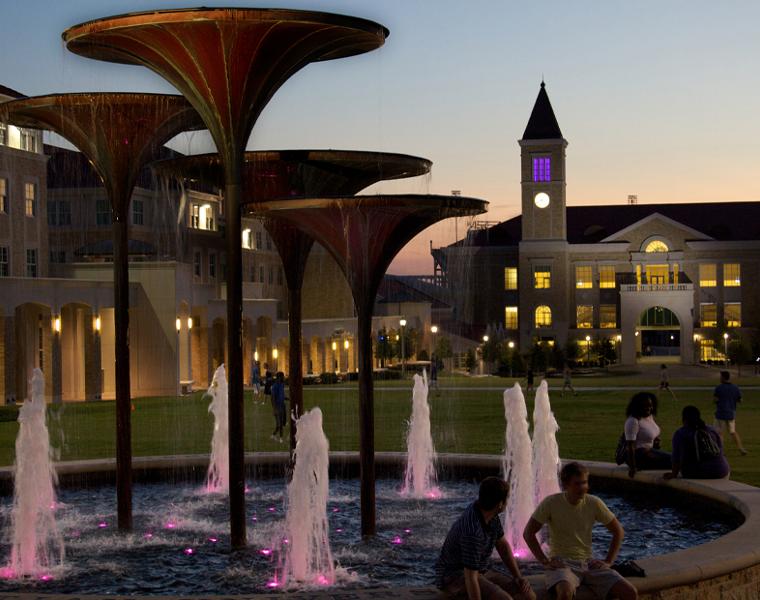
246	238
138	212
52	213
543	316
583	278
708	275
3	195
5	265
102	212
657	274
542	278
510	278
607	276
271	274
607	316
510	317
584	316
259	246
31	262
542	168
279	276
253	273
30	199
59	213
708	351
656	246
195	216
28	140
708	314
3	134
197	263
269	243
57	256
732	311
732	275
261	274
212	266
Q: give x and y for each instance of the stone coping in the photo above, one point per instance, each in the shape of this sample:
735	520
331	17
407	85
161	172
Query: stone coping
732	552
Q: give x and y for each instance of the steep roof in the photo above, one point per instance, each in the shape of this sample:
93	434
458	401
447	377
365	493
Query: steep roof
724	221
542	124
6	91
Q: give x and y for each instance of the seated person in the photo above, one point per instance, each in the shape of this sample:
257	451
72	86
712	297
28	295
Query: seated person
571	516
642	435
462	569
697	449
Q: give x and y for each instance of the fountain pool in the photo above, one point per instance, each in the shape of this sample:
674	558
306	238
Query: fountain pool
180	544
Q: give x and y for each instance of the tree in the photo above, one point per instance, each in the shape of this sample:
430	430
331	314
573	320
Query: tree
443	348
491	350
739	352
383	347
557	357
538	357
469	360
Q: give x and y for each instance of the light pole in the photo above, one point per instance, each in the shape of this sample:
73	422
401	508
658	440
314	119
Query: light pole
402	322
618	340
178	325
433	330
189	353
275	354
588	350
335	357
697	356
511	346
725	347
348	361
482	357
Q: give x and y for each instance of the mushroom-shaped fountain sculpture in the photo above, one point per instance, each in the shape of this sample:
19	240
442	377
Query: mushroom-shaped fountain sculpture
281	174
364	234
119	133
228	62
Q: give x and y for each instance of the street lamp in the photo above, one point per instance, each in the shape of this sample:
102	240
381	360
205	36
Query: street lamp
618	339
335	357
725	347
275	354
588	349
402	322
433	330
511	346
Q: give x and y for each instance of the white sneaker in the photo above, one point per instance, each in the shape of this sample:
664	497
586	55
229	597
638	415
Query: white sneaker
281	440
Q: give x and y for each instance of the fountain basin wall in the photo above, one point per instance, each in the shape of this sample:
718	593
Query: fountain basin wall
728	567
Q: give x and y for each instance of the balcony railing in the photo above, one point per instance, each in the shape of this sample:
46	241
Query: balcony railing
657	287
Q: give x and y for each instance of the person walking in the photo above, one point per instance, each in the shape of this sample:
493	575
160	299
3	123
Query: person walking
256	380
463	566
268	380
642	435
434	372
726	397
567	375
570	516
278	406
697	449
664	383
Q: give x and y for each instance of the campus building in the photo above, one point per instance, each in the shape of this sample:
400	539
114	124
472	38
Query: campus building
662	282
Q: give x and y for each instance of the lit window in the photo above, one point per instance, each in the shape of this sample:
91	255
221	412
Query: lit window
708	275
212	266
656	246
607	316
510	317
584	316
195	216
31	262
542	168
510	278
30	199
732	311
583	278
138	212
543	316
542	278
708	351
246	238
3	134
3	195
607	276
5	267
708	314
657	274
102	212
732	275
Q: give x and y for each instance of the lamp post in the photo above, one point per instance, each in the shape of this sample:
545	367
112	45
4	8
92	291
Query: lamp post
189	353
482	358
511	346
433	330
588	349
697	337
346	345
618	340
335	358
178	326
402	322
725	347
275	354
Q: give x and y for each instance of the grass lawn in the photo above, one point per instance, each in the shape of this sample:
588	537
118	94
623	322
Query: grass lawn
463	420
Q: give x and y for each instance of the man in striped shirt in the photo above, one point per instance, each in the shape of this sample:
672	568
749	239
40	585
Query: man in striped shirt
463	568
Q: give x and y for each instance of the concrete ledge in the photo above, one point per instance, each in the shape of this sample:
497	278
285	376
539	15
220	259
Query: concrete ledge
708	571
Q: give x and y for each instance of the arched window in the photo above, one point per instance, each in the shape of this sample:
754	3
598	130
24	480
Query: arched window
656	246
543	316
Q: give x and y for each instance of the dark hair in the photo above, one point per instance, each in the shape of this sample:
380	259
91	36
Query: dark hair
570	470
280	376
493	490
663	366
692	418
725	375
635	407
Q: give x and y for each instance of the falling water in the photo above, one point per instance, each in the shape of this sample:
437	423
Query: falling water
37	544
545	450
420	476
309	558
517	469
218	477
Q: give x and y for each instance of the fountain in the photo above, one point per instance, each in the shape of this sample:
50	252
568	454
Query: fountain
37	544
517	470
546	465
308	556
420	476
218	476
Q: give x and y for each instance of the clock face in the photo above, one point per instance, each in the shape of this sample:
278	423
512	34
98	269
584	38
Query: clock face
541	199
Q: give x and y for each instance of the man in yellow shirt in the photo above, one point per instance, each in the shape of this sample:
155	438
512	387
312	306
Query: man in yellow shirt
571	516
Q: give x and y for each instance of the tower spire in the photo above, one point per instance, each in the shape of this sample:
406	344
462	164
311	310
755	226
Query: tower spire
542	124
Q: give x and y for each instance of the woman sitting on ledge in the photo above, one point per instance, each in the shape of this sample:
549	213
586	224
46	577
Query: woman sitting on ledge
697	449
642	435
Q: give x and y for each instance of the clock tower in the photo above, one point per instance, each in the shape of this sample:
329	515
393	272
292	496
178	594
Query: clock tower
543	174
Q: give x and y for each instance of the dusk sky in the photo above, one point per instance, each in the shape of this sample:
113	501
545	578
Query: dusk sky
658	99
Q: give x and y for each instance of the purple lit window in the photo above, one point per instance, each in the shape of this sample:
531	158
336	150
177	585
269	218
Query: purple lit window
542	169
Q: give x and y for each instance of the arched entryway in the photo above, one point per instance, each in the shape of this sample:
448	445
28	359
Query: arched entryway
658	336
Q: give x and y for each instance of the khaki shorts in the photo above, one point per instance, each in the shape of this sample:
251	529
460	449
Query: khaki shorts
577	574
722	424
493	586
